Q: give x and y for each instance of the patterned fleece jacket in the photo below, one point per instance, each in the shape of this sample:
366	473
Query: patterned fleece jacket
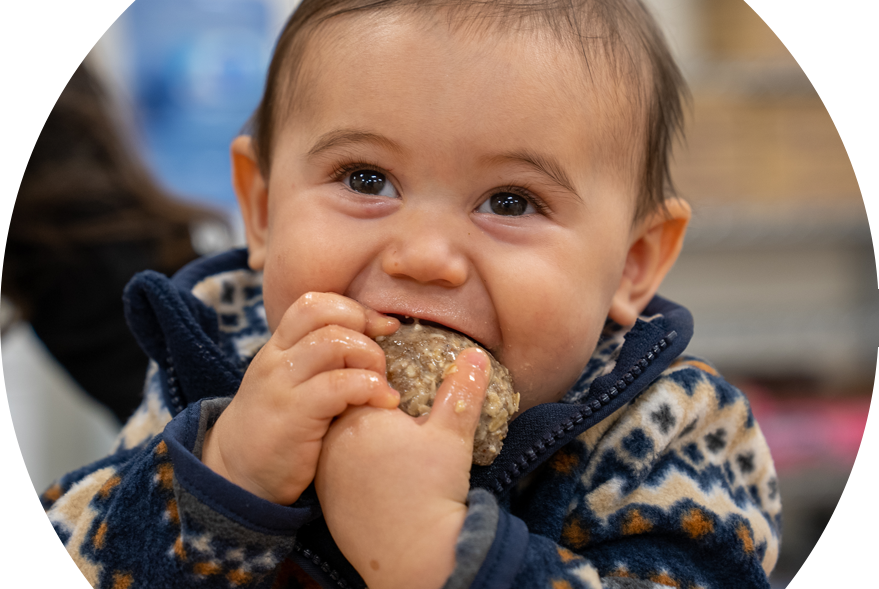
650	472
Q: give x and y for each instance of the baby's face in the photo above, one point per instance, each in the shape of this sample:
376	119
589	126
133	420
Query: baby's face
432	174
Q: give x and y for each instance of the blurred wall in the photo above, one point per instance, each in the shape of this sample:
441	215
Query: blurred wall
778	267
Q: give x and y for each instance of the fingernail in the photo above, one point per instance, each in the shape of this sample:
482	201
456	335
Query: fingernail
380	324
388	322
476	358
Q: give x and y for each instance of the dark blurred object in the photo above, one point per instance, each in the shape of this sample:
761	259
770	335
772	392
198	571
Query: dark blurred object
88	217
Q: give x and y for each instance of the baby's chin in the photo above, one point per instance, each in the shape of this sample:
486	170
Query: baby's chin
537	386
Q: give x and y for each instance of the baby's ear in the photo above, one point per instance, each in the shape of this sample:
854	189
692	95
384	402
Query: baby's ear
656	243
252	192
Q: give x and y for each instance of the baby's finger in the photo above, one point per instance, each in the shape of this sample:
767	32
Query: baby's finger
329	393
331	348
458	401
314	310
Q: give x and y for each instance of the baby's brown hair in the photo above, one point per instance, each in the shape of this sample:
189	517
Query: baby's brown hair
621	32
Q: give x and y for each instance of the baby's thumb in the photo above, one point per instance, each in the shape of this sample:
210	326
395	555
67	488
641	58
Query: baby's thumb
458	401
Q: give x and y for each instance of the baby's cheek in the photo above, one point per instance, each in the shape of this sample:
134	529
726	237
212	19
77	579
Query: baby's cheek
547	366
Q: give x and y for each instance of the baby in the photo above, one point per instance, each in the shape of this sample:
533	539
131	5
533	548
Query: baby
498	168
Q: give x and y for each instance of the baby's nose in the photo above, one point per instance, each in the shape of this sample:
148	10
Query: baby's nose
427	248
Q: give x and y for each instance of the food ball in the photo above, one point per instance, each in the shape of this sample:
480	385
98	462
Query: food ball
420	356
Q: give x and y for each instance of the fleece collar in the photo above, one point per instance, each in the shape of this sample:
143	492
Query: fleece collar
204	326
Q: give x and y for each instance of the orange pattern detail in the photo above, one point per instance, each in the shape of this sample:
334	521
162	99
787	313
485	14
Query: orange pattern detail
696	524
206	569
53	493
179	551
166	475
122	580
745	536
702	366
173	514
561	585
564	462
161	448
566	555
99	536
664	579
636	523
111	484
239	577
574	535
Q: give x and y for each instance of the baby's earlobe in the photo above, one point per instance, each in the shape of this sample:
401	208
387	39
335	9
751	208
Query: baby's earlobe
650	257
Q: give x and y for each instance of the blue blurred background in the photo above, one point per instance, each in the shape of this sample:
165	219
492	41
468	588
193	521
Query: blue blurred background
196	72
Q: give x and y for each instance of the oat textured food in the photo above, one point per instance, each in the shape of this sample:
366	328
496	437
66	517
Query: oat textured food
421	356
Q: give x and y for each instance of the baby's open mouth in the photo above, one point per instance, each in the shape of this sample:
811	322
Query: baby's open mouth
421	354
407	320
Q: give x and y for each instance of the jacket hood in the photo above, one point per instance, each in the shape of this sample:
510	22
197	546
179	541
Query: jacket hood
204	326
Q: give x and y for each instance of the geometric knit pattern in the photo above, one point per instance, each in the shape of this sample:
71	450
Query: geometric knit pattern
683	471
675	489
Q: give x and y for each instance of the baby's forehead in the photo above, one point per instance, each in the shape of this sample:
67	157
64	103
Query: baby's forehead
597	84
612	52
599	64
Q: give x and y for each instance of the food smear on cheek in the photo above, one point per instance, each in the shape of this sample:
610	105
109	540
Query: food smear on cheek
420	357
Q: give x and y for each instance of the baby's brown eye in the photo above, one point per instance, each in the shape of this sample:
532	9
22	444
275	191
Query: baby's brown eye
370	182
507	204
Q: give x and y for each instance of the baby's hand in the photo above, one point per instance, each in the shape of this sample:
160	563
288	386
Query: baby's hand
319	361
393	487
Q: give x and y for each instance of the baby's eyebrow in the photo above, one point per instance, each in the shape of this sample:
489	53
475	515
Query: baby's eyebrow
546	165
346	137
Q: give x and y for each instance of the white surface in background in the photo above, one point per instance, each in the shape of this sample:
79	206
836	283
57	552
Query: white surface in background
59	428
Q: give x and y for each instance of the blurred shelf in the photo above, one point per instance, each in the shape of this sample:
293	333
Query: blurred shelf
766	79
781	291
792	224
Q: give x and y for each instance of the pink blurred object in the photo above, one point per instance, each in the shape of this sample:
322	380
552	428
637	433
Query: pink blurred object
809	432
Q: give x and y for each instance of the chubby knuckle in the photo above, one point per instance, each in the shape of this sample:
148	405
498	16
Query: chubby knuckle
327	308
333	335
309	301
338	380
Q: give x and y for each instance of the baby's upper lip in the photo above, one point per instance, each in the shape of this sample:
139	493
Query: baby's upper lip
478	331
428	321
467	309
